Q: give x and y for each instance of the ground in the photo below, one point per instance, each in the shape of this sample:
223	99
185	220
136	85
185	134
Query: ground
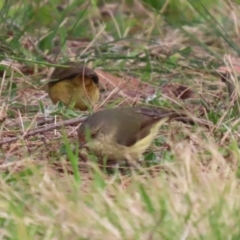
171	56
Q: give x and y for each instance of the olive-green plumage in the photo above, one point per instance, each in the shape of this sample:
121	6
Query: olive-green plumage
76	85
122	133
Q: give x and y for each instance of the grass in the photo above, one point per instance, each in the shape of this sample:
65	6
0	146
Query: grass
189	185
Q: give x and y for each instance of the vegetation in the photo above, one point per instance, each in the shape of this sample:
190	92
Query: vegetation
188	187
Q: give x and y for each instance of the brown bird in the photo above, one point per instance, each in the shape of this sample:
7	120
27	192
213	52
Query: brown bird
76	85
123	133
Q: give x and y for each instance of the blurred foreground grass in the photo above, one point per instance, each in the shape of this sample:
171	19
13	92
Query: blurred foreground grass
192	193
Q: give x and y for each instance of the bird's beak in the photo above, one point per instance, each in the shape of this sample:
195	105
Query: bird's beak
83	145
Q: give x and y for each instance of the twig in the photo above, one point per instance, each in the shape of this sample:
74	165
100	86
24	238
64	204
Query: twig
42	130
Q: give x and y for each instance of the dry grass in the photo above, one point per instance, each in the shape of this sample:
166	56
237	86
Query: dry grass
189	186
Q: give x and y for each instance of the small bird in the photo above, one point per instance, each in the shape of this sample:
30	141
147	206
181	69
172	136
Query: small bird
123	134
76	85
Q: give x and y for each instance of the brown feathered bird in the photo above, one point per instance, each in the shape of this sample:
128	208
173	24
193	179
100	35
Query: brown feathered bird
123	133
76	85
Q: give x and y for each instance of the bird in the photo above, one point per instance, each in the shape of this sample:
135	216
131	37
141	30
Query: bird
75	85
123	133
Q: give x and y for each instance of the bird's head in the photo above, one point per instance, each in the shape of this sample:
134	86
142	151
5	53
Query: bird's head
89	133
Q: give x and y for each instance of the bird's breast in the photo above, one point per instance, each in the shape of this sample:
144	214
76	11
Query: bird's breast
83	93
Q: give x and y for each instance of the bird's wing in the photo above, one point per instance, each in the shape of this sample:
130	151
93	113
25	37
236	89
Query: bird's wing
64	73
153	113
136	127
147	117
73	71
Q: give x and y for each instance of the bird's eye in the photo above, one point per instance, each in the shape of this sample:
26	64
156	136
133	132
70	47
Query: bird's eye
93	135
